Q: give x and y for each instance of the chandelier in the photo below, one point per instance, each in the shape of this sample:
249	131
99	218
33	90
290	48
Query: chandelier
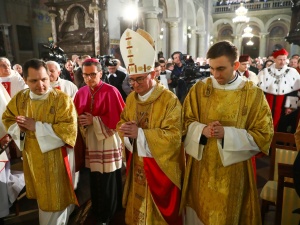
241	15
249	43
247	32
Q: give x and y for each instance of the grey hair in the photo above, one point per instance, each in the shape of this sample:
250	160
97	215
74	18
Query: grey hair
54	63
15	66
3	59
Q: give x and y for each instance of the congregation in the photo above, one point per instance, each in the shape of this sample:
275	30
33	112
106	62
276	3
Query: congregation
188	145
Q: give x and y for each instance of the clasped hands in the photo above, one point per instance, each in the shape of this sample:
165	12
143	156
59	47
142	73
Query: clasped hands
85	119
25	123
214	129
129	129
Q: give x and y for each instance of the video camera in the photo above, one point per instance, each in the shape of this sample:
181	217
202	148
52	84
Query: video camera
55	54
193	71
106	60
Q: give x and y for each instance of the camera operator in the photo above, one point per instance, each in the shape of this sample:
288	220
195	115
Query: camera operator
179	67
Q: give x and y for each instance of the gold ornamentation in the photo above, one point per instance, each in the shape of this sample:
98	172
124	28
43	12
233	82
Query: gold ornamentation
52	111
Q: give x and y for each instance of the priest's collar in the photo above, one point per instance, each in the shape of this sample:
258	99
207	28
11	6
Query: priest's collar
40	97
234	79
147	95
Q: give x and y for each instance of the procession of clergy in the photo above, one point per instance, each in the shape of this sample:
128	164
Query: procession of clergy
185	164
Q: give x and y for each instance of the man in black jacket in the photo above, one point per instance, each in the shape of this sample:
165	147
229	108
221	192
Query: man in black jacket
115	77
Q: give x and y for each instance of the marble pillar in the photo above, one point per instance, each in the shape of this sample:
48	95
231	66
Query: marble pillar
95	7
192	44
263	44
152	26
173	31
201	44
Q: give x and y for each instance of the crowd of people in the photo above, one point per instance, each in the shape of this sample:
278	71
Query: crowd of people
188	153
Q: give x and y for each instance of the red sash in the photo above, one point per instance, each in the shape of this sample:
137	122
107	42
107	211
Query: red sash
7	86
165	194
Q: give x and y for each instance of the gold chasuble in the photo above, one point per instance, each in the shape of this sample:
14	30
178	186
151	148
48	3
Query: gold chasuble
160	118
225	195
46	176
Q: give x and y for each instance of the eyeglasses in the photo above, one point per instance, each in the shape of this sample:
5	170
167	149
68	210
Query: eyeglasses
91	75
139	80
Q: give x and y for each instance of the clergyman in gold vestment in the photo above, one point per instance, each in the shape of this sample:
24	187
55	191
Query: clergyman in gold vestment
43	123
226	121
150	126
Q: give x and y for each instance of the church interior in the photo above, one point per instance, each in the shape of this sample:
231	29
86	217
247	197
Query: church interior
32	28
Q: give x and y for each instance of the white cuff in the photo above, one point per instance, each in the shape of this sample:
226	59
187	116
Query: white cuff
142	145
127	144
15	133
238	146
191	142
46	137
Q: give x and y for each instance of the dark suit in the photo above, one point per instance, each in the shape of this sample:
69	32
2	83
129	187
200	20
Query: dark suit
65	74
117	82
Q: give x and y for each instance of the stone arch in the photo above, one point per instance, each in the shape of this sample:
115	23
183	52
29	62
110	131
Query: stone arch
222	22
285	18
200	20
253	21
191	15
277	30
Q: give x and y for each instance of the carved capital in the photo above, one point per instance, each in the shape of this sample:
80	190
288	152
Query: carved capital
173	21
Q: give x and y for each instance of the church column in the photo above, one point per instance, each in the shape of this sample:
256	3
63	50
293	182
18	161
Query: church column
192	44
262	44
95	7
294	49
173	31
236	41
6	38
152	24
53	26
201	44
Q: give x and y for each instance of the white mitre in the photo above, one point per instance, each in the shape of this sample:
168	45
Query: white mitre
137	51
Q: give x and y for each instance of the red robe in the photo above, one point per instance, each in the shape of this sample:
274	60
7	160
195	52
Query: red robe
107	103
